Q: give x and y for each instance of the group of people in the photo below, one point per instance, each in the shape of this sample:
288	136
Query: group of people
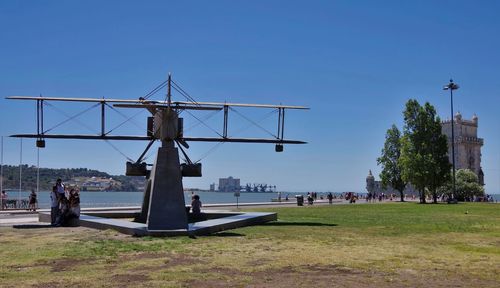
65	204
32	201
372	197
313	196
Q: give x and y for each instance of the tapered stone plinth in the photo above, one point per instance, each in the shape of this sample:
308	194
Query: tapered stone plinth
166	207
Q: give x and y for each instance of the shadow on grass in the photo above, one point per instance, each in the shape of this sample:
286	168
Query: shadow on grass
226	234
316	224
32	226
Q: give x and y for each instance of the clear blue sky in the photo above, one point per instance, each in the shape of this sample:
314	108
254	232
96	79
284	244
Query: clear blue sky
355	63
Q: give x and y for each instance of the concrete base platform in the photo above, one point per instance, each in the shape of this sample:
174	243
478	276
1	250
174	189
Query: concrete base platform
223	221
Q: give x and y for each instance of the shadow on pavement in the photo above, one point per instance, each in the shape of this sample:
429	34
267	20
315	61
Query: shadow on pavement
31	226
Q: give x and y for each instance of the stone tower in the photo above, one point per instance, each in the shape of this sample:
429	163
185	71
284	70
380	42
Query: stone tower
467	145
370	182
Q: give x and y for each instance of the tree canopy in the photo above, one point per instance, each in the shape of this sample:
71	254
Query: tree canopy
424	149
466	186
391	174
48	177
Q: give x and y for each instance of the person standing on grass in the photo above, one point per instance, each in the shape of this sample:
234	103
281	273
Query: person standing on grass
54	206
60	188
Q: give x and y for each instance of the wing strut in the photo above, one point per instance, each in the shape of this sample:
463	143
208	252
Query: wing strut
40	142
103	131
281	129
226	109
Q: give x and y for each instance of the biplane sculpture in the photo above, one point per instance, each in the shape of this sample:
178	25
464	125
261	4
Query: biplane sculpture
163	207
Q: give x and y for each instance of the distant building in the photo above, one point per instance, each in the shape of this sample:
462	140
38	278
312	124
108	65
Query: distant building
375	187
95	183
229	184
467	144
467	152
212	187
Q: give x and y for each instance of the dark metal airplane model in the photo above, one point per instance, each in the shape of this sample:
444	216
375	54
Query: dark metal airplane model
163	206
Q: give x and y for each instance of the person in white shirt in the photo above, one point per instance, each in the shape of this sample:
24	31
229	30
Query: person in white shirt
60	188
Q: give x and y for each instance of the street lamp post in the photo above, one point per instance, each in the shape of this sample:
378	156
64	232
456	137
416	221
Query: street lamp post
452	86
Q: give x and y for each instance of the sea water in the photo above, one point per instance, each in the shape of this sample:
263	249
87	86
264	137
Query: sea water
124	199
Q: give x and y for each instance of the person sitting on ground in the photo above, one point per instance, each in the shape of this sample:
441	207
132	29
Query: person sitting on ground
74	203
196	207
32	201
63	212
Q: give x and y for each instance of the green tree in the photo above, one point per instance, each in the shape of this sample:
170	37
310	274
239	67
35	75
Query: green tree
466	187
48	177
390	161
424	159
438	150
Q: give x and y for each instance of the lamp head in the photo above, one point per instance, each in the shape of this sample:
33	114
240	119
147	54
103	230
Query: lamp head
451	86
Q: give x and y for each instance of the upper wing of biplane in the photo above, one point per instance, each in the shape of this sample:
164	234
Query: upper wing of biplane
96	100
222	104
152	105
144	103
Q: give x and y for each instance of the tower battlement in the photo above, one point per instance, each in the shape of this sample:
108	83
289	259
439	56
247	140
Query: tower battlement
467	144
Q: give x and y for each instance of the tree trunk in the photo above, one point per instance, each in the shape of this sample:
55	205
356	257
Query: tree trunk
402	196
422	197
435	197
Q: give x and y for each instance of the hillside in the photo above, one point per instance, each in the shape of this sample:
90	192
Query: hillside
48	177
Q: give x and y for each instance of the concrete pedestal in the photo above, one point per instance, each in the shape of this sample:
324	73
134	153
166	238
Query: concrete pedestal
163	207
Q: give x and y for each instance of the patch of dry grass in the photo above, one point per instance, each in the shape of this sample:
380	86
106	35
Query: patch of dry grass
389	245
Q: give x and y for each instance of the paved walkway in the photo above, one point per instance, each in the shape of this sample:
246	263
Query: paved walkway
12	219
15	217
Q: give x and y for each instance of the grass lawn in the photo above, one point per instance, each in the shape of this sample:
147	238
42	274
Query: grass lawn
374	245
